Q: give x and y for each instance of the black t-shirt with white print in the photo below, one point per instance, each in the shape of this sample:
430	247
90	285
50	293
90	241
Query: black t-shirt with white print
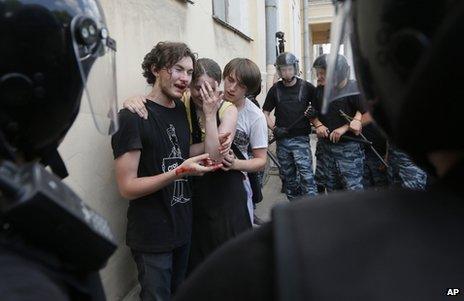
161	221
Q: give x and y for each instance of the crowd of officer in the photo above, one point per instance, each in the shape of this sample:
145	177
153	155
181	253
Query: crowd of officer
351	154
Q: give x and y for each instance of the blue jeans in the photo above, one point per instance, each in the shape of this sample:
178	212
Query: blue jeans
296	162
160	274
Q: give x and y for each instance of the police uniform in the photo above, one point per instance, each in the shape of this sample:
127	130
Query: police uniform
319	175
342	163
293	150
375	172
403	172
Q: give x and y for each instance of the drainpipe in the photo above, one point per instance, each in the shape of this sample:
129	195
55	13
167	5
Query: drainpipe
306	42
271	29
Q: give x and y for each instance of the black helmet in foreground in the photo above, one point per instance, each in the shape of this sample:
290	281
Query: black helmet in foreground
408	60
48	51
51	53
320	62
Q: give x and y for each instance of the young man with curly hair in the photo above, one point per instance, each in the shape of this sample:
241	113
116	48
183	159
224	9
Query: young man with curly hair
151	162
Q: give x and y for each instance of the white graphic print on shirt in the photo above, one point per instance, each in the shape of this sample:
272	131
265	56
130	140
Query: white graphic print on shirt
242	140
181	188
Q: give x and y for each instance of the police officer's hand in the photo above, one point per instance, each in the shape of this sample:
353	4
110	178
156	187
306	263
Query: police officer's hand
337	133
322	131
228	161
356	126
197	166
280	132
136	104
211	98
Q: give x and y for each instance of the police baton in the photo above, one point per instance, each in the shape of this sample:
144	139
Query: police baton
274	159
294	123
348	138
349	119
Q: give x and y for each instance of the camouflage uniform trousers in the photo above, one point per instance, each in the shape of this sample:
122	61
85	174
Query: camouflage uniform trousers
404	172
375	173
295	158
342	165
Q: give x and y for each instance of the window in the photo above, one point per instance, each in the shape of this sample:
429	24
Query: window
233	14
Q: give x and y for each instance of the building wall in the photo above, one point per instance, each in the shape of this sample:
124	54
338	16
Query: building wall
320	11
137	25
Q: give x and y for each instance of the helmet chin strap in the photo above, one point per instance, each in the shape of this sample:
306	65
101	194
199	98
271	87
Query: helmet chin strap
288	81
52	158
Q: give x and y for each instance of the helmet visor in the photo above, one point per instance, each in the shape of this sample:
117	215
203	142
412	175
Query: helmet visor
97	67
339	80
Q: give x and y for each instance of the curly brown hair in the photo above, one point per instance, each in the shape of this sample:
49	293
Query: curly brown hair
164	55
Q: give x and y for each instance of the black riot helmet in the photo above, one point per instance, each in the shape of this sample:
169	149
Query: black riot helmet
408	60
342	68
51	51
320	62
287	59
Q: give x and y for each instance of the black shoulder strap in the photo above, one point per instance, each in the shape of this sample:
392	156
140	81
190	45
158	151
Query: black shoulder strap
277	92
237	152
300	91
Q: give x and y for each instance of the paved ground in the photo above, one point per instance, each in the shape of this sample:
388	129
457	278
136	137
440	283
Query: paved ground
271	196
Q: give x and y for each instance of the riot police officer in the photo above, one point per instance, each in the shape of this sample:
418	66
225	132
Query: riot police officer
51	243
395	244
340	160
290	97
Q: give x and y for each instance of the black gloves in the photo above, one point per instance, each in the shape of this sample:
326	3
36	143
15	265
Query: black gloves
280	132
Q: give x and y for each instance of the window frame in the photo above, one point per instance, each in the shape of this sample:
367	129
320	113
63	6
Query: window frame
225	22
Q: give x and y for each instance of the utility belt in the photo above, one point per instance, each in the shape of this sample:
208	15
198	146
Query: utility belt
39	209
298	132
